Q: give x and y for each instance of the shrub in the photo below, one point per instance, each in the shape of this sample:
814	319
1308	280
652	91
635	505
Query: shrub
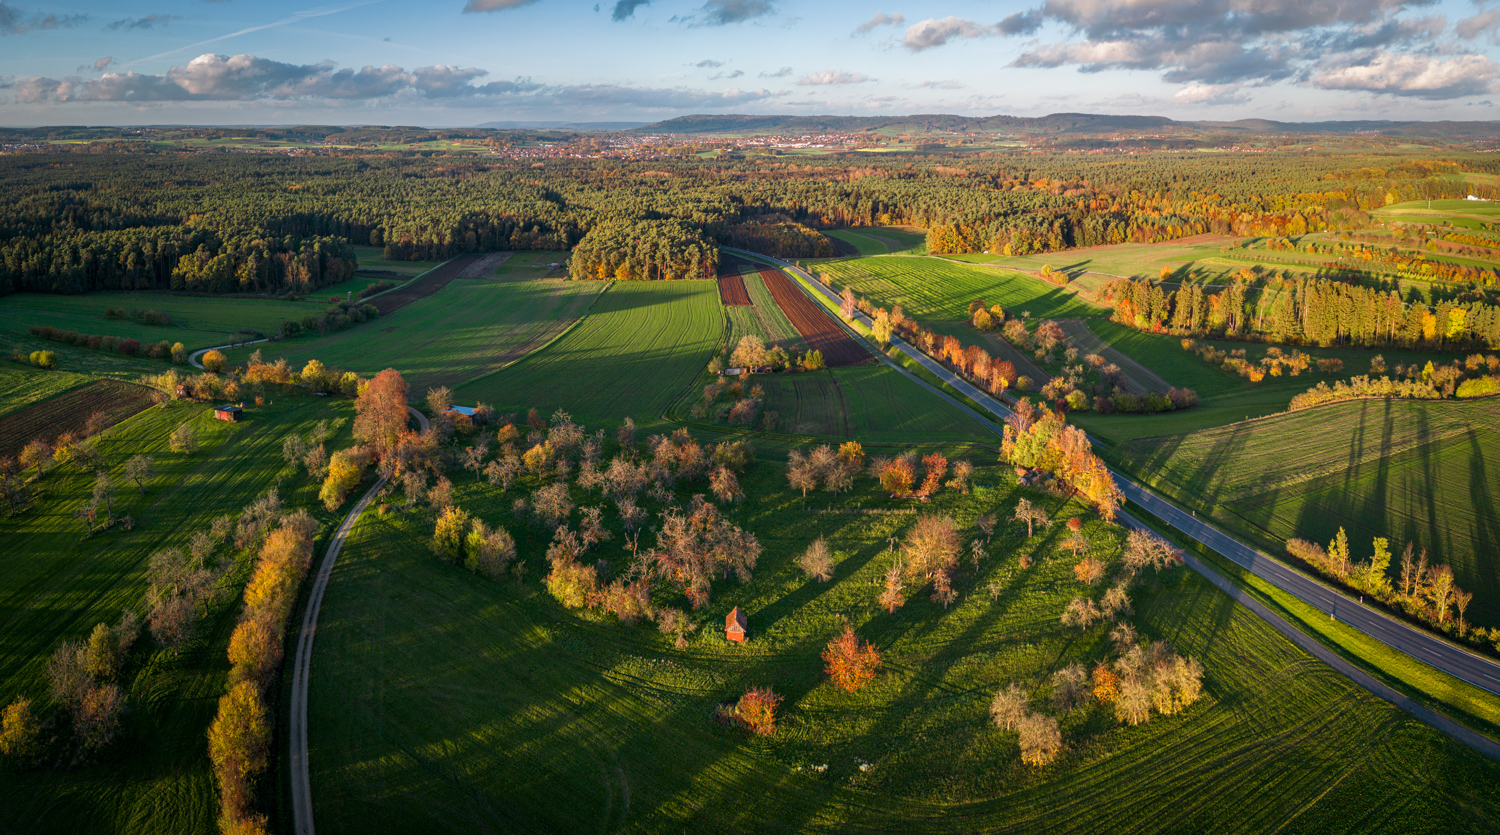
1478	387
756	710
129	347
448	536
44	359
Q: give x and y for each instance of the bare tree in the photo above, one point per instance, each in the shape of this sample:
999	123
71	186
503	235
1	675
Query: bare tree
439	400
1009	707
473	458
1070	688
817	561
1031	515
1041	740
893	595
1081	612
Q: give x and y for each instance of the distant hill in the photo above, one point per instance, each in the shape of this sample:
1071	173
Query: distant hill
561	125
1054	124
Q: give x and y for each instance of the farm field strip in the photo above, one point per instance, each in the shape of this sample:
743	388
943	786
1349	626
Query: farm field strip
639	348
742	323
430	283
372	258
471	328
1138	378
732	291
485	265
68	412
22	386
815	325
778	328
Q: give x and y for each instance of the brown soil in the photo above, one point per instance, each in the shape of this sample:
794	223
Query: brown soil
423	287
732	291
69	411
814	323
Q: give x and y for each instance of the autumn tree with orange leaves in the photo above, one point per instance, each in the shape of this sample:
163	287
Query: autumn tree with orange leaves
851	663
381	414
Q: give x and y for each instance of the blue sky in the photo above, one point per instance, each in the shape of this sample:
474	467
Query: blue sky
462	62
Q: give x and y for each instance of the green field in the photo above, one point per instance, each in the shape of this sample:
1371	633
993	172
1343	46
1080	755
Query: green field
21	386
880	240
636	352
196	322
349	290
470	328
530	265
373	258
868	403
929	289
777	327
444	701
55	585
1408	470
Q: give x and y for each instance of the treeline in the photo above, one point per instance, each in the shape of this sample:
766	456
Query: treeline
1403	262
781	237
233	222
644	250
1310	311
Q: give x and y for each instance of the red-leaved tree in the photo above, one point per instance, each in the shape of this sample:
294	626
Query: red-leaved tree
381	412
851	663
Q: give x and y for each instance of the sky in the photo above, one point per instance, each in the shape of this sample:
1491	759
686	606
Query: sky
446	63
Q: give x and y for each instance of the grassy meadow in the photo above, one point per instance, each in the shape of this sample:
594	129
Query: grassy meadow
373	258
196	322
448	701
56	584
1413	471
866	402
470	328
929	289
636	352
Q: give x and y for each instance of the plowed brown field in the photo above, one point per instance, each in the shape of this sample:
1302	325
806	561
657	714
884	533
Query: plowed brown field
732	291
817	327
423	287
68	412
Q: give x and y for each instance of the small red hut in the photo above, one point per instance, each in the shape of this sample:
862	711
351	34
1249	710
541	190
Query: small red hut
734	626
229	413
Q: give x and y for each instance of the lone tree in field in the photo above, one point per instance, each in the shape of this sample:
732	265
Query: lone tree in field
817	561
757	710
893	596
183	439
36	453
846	304
1041	741
138	470
1009	707
932	545
850	662
1031	515
215	361
381	415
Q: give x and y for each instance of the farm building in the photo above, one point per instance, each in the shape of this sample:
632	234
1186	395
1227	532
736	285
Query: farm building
734	625
229	413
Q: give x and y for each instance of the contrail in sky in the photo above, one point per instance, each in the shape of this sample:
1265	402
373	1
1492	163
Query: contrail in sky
296	18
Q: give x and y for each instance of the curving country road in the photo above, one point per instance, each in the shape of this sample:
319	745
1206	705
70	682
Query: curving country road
1423	646
197	356
302	810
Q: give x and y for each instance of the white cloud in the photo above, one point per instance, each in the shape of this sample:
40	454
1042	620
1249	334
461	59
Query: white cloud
1418	76
938	31
1210	95
880	19
833	77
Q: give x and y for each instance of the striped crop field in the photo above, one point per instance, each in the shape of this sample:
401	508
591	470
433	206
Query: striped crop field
196	322
639	348
930	289
777	327
1411	471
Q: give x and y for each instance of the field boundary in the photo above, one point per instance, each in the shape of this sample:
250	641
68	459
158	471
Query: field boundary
544	346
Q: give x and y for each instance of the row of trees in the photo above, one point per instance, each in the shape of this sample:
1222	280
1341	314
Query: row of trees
1305	311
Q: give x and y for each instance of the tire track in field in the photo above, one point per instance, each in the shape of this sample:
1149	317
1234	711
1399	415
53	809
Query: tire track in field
1138	378
302	809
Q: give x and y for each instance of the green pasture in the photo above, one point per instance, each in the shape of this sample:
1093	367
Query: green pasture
1411	471
196	322
1482	209
867	403
529	265
349	290
56	584
373	258
879	240
468	329
640	347
930	289
777	327
23	385
445	701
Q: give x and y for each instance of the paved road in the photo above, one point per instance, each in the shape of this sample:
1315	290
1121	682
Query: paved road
1423	646
302	809
197	356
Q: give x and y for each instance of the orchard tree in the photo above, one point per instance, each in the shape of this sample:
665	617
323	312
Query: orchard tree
756	710
36	453
138	470
183	439
381	412
851	663
817	561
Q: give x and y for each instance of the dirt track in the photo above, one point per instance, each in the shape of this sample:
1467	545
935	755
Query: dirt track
1138	378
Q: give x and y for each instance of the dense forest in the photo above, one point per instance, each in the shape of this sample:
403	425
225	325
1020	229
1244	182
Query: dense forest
221	222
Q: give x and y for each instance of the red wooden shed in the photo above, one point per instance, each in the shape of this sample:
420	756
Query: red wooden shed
229	413
734	625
